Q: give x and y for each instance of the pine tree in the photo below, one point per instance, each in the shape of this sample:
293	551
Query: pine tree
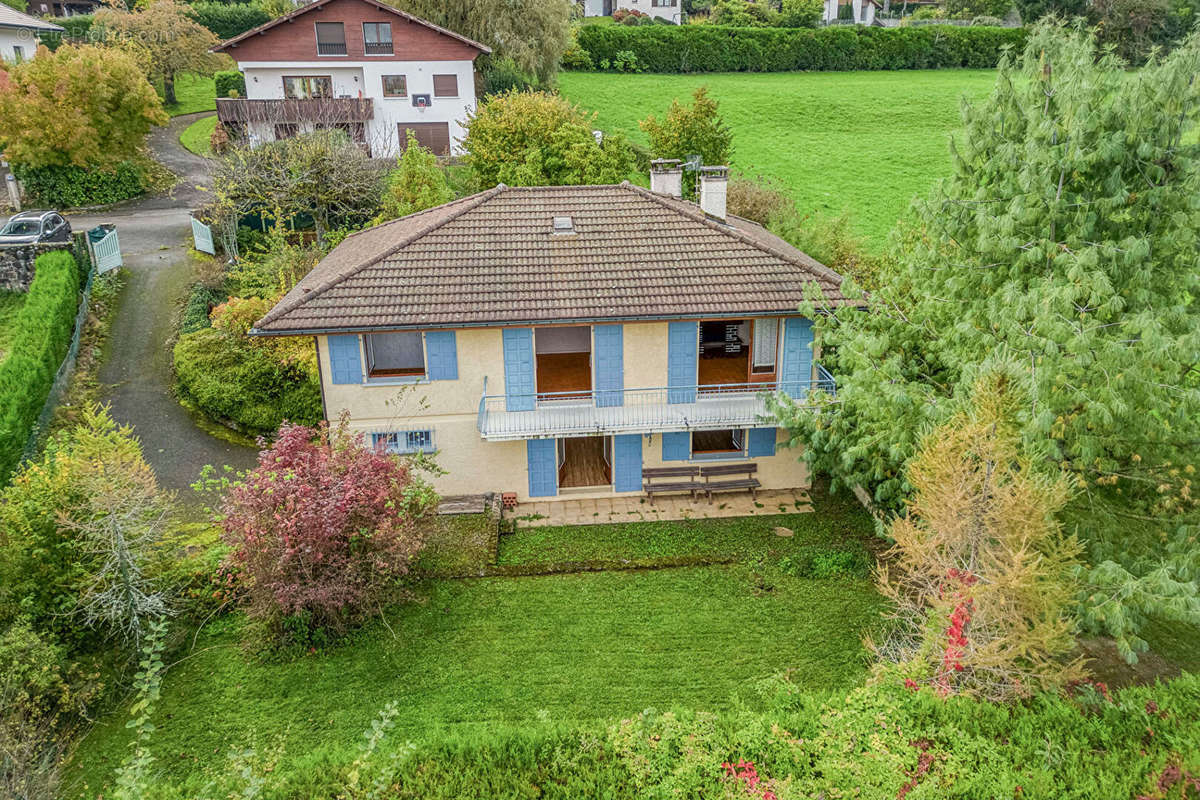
1066	240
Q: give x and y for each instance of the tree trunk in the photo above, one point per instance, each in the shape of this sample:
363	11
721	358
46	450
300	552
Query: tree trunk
169	89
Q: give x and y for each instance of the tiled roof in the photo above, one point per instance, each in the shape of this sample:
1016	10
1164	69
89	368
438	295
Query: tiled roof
492	258
11	18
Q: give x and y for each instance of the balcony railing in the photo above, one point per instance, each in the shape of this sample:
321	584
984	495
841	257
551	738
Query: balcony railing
341	109
331	48
654	410
377	48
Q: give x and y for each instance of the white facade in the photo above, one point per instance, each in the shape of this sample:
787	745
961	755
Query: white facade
863	11
664	9
364	79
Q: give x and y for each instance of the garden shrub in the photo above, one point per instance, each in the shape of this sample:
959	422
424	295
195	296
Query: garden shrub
713	48
503	74
823	563
236	383
228	82
75	187
228	20
42	335
200	303
757	199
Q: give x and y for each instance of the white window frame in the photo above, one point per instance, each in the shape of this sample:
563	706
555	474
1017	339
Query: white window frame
755	343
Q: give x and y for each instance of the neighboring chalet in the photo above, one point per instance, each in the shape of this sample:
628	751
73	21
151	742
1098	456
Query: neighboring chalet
358	65
563	339
19	34
670	10
847	12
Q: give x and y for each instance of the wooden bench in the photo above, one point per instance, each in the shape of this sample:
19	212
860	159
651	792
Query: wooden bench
677	479
726	484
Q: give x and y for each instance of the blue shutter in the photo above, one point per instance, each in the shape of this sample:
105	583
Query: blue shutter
441	356
677	446
683	342
627	463
541	455
518	369
796	357
345	359
610	366
762	442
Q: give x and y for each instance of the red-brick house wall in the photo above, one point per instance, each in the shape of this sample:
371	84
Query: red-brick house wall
296	39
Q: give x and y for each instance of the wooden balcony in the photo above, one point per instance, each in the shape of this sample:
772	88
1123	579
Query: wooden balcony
347	109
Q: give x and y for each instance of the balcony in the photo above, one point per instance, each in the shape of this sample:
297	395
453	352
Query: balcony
677	408
329	110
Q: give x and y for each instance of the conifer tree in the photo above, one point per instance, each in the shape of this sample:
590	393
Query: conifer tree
1065	240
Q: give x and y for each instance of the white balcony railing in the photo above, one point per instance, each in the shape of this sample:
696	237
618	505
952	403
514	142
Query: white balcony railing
654	410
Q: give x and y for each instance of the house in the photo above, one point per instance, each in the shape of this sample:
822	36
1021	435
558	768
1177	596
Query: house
558	340
857	12
19	34
359	65
62	8
670	10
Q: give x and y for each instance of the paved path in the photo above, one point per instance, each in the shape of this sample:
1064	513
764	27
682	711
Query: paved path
155	234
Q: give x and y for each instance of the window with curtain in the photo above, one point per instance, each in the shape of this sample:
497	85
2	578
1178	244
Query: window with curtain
395	86
766	342
377	38
307	87
395	354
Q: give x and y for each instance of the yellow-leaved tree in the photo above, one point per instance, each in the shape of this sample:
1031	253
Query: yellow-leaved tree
981	573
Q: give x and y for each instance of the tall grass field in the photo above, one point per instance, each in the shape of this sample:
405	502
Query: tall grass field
860	143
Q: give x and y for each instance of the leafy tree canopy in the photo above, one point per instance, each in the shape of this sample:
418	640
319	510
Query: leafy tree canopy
540	139
533	33
84	106
416	184
1066	240
693	129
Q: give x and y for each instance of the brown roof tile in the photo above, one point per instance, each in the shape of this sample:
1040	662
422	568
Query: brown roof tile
491	259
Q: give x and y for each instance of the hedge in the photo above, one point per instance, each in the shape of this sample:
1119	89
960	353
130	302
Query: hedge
228	20
229	80
74	187
712	48
42	336
237	384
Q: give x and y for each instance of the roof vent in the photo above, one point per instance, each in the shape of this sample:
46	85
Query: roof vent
563	225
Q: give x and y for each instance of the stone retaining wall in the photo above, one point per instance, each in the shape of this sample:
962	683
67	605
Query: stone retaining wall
16	263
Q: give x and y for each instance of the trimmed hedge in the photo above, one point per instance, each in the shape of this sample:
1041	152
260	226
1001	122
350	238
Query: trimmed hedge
73	187
229	80
40	342
712	48
229	19
237	384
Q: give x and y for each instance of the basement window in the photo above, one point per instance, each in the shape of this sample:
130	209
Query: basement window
727	443
395	355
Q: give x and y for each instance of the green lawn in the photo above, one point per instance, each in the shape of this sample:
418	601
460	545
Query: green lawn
197	137
193	93
10	306
863	143
566	648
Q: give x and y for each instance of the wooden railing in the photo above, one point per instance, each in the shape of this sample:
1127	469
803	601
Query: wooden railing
344	109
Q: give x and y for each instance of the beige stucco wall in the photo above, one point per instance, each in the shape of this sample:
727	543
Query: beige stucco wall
450	409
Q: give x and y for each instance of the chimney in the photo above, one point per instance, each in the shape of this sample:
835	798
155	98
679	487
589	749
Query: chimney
713	182
666	177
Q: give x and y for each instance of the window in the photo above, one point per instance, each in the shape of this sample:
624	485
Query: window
766	342
709	444
377	38
403	442
445	86
18	54
307	87
663	3
395	86
331	39
391	355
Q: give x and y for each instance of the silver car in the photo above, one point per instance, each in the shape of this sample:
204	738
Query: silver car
30	227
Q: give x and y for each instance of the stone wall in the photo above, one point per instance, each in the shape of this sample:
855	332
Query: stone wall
16	263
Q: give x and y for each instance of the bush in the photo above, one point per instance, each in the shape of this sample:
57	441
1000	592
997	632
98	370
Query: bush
324	528
228	20
800	14
823	563
503	75
757	199
75	187
712	48
200	303
43	333
238	384
229	83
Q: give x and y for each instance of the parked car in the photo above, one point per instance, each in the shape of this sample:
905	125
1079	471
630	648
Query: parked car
29	227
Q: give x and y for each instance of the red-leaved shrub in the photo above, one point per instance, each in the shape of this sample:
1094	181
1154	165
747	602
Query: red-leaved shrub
323	528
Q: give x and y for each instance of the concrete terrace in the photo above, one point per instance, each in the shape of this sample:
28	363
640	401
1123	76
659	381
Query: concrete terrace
598	511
